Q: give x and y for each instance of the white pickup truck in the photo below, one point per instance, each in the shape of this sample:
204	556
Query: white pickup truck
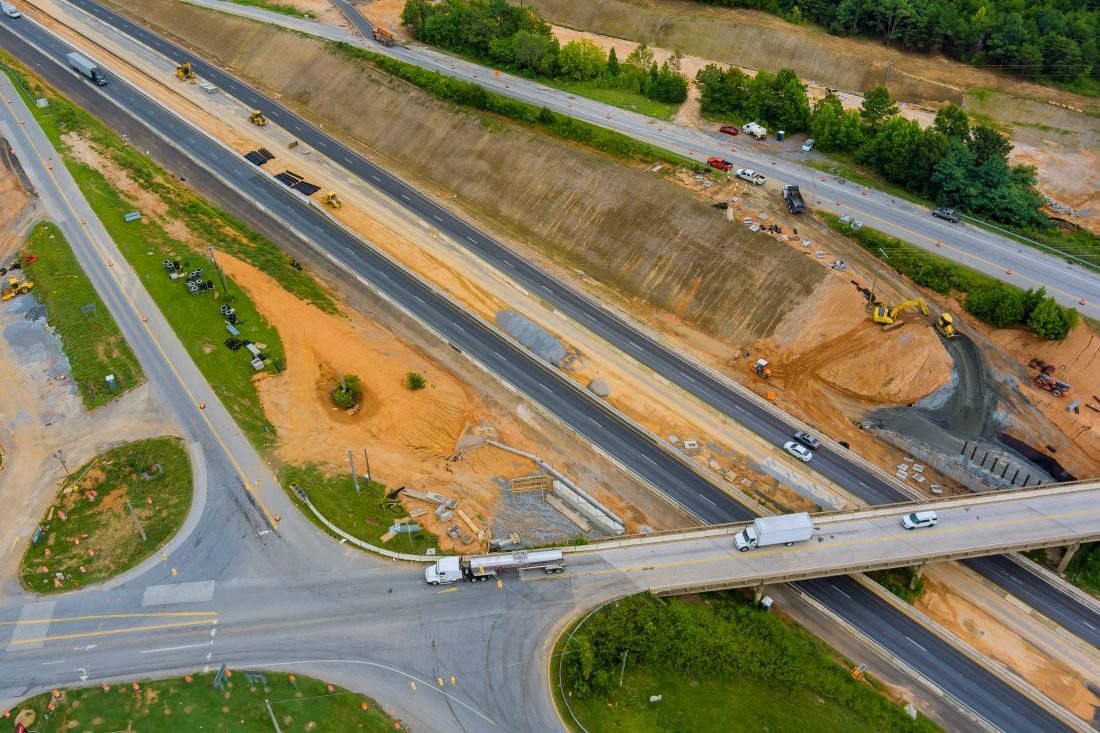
755	130
748	174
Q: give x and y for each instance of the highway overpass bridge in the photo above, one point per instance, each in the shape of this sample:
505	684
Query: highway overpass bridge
851	541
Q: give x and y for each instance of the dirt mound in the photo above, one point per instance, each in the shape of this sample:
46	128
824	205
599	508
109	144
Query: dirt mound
586	210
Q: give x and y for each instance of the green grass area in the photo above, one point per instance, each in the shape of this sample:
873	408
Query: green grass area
277	8
718	665
840	165
91	340
365	516
902	582
1084	569
622	98
89	533
173	705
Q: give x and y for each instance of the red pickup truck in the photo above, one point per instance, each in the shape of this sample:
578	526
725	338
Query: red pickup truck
720	163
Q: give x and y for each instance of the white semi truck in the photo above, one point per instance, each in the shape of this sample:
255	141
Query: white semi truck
785	529
87	68
482	567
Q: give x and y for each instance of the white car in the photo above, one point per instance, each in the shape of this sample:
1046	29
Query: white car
917	520
799	451
751	176
808	145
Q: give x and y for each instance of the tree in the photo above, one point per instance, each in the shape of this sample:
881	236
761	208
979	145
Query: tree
532	51
893	149
667	85
722	92
581	60
348	392
641	57
612	63
877	106
833	127
953	122
952	182
1047	321
986	143
933	148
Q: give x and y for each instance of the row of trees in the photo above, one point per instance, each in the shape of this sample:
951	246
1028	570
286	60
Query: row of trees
518	38
949	162
1053	41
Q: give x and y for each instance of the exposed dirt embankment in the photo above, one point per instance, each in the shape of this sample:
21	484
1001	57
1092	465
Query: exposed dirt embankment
629	228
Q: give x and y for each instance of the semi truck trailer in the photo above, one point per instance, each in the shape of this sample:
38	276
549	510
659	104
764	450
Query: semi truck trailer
482	567
87	68
785	529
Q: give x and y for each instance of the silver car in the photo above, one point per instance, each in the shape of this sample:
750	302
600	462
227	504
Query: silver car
799	451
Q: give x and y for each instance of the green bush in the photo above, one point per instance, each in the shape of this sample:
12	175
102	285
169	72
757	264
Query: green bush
348	393
1084	568
415	381
902	582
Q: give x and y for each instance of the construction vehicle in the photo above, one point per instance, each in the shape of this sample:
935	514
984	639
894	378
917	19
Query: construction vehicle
888	318
383	36
183	71
794	200
482	567
760	366
257	118
945	324
1056	387
332	200
14	288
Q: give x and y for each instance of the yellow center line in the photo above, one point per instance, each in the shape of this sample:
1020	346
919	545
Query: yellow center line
844	543
944	245
137	311
100	617
112	632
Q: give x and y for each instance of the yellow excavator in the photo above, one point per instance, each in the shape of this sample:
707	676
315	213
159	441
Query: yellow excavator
183	71
332	200
257	118
14	288
888	317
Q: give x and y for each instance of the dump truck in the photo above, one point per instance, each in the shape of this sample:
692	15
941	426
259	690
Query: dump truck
785	529
9	10
482	567
87	68
793	197
383	36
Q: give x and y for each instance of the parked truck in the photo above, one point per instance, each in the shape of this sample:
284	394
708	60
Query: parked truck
383	36
793	197
9	10
87	68
482	567
757	131
785	529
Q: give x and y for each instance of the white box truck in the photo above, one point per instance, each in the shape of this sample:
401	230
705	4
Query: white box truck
9	10
785	529
87	68
757	131
482	567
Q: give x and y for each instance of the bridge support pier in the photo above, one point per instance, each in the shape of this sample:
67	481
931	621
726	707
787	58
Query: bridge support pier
1071	550
918	571
757	594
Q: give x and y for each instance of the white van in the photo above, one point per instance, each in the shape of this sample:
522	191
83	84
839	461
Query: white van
917	520
9	10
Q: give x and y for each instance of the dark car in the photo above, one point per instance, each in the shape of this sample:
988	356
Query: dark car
720	163
807	440
950	214
729	130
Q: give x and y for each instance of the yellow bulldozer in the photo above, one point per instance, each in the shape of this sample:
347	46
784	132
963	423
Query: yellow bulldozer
257	118
945	324
332	200
14	288
183	71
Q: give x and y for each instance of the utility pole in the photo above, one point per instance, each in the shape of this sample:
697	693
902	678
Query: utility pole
59	457
225	285
354	478
367	461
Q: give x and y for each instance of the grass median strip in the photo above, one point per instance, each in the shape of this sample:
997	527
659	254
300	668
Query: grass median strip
118	509
192	703
367	515
89	336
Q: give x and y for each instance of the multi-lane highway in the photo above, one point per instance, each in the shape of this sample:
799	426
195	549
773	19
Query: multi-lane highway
835	464
624	443
985	251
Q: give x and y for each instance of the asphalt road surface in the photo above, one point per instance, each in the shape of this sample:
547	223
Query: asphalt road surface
688	375
618	439
996	255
